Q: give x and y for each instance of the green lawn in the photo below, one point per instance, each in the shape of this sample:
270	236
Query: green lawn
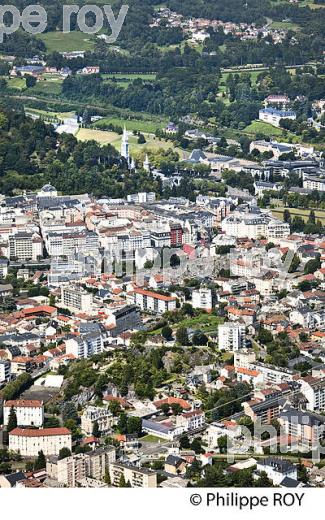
151	438
17	83
304	213
204	322
67	42
47	87
289	26
259	127
149	126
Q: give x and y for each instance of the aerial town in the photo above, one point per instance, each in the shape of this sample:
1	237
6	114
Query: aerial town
162	267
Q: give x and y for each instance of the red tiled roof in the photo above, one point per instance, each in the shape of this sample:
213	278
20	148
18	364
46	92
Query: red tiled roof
44	432
24	403
155	295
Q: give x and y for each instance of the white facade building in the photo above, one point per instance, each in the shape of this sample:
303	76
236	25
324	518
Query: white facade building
154	302
28	412
28	442
231	336
202	299
76	299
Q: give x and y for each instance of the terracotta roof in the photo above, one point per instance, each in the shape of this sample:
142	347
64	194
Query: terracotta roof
155	295
24	403
44	432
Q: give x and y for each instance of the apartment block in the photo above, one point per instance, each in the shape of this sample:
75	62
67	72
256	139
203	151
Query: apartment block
154	302
231	336
76	299
137	477
71	471
28	412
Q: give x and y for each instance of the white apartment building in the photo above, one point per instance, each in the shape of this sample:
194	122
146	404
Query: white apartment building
202	299
28	442
95	414
4	370
314	183
68	243
154	302
231	336
142	197
314	391
28	412
25	246
70	471
76	299
272	374
85	346
190	421
137	477
254	225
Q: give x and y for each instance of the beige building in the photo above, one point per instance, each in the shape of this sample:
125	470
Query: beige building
137	477
72	471
28	442
76	299
93	414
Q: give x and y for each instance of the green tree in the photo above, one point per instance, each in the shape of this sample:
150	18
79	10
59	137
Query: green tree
164	408
223	443
184	442
107	478
167	333
40	462
182	336
134	425
176	409
12	420
64	453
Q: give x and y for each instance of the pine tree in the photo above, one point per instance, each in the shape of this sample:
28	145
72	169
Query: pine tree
12	421
40	461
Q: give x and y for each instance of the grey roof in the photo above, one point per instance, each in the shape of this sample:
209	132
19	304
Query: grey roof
303	417
13	478
280	465
173	460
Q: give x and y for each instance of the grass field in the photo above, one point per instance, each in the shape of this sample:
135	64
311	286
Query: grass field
47	87
101	136
67	42
17	83
149	126
151	438
288	26
304	213
259	127
44	113
204	322
130	77
105	137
